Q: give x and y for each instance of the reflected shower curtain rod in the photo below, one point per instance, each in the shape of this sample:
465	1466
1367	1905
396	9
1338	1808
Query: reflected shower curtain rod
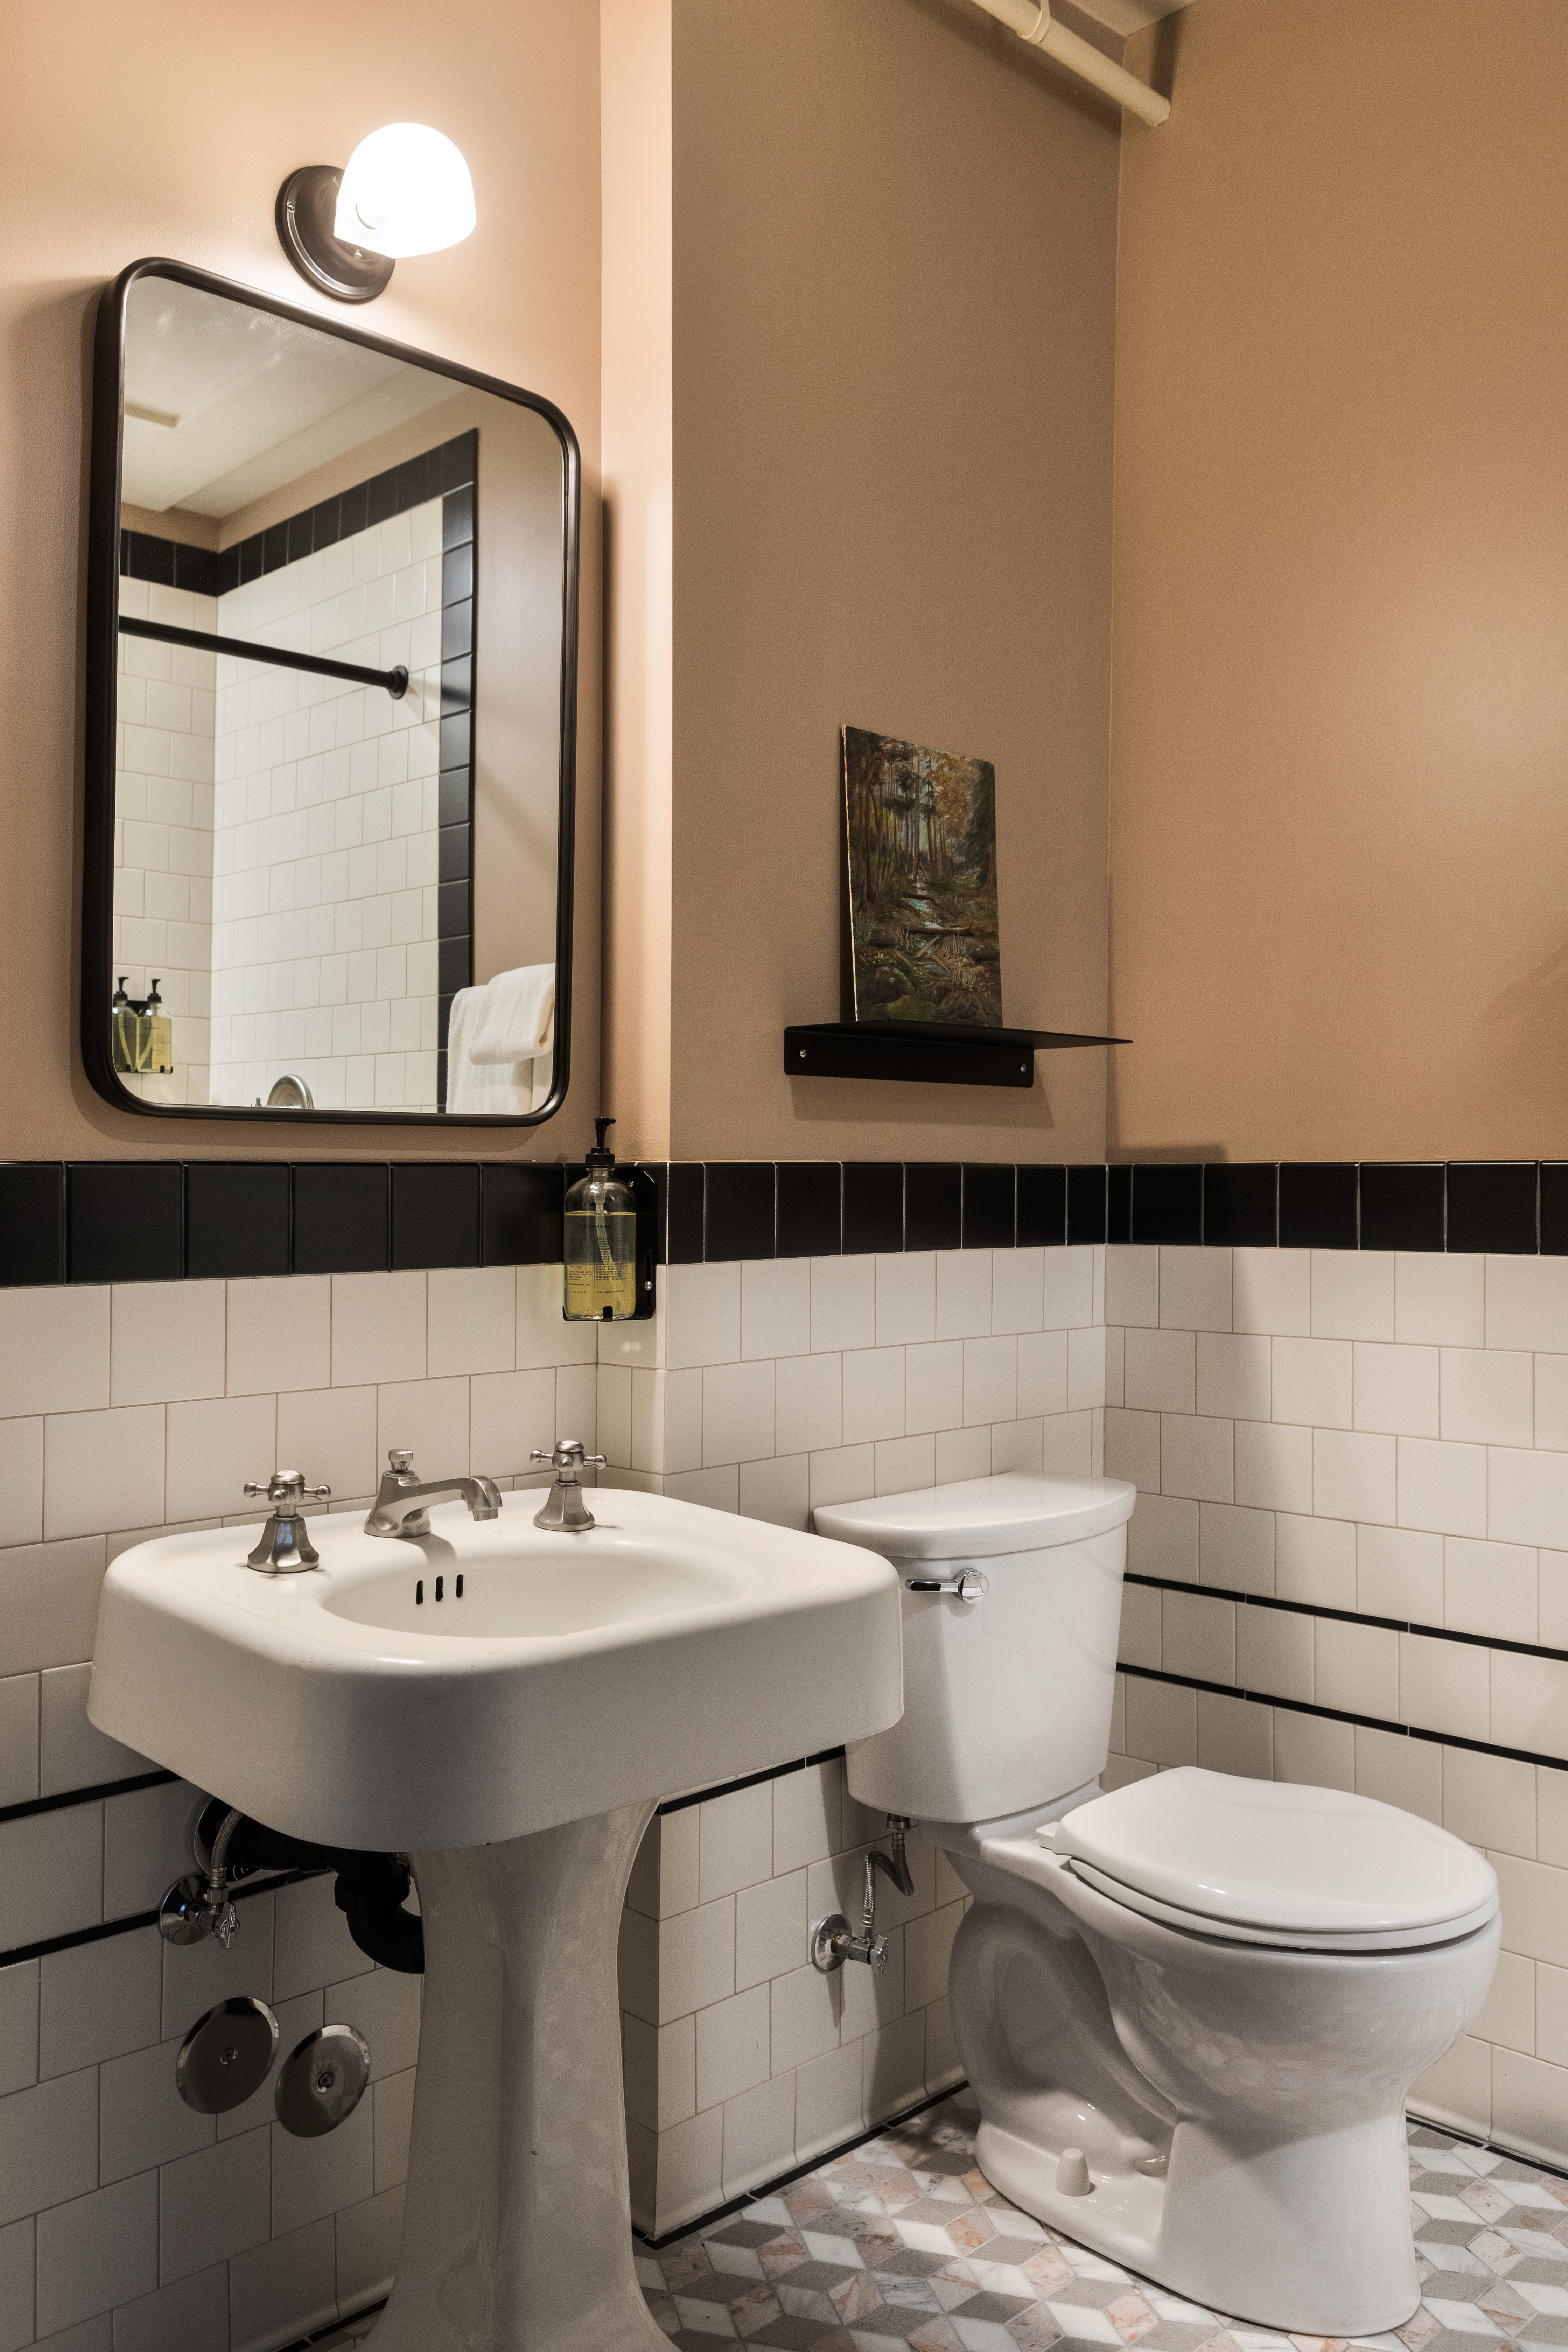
1032	21
393	681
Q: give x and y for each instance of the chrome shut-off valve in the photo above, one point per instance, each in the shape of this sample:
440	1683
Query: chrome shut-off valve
831	1940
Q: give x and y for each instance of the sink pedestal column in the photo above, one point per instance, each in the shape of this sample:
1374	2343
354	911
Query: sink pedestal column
517	2229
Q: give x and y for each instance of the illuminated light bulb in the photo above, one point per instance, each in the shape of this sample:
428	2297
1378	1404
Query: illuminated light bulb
405	190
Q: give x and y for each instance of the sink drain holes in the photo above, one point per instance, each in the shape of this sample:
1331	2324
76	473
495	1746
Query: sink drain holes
458	1588
419	1594
440	1590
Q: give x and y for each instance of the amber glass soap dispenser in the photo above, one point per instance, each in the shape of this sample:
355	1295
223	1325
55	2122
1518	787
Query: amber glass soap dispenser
600	1241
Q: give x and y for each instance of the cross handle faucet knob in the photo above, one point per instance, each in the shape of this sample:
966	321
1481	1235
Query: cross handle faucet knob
567	1453
286	1487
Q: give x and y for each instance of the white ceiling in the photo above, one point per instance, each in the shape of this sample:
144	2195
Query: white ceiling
1127	17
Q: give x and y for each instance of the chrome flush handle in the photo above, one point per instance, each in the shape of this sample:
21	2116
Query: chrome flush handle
284	1543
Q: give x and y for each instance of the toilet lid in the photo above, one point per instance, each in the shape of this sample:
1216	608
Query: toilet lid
979	1518
1271	1855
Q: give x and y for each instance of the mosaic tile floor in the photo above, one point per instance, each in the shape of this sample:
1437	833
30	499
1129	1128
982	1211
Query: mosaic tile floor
903	2242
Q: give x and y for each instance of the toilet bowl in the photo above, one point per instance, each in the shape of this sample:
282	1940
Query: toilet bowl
1219	1989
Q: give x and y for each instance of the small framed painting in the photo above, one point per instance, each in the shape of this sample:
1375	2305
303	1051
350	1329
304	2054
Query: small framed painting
921	827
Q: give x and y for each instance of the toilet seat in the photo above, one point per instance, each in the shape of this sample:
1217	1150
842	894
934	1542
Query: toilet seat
1273	1862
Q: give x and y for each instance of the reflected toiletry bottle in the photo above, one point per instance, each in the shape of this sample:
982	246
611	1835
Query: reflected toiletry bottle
600	1241
159	1034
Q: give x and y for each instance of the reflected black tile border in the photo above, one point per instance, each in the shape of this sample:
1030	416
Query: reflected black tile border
873	1206
1042	1208
519	1213
1167	1201
990	1204
1554	1208
1318	1204
933	1204
125	1221
341	1216
237	1218
1241	1204
1492	1206
684	1242
1118	1204
1402	1204
810	1217
434	1215
1086	1204
739	1218
32	1223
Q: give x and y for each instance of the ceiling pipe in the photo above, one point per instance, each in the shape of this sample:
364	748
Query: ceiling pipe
1032	21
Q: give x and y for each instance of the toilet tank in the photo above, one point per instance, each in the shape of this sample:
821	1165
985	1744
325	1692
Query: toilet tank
1007	1697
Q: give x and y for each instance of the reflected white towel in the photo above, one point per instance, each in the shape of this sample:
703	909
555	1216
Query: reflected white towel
500	1089
513	1017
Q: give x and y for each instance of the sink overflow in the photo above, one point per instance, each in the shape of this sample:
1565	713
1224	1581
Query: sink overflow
440	1593
419	1594
459	1587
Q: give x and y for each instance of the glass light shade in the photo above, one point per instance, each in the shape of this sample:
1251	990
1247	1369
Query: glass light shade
406	189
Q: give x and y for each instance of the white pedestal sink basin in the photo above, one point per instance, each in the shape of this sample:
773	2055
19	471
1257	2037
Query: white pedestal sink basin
512	1735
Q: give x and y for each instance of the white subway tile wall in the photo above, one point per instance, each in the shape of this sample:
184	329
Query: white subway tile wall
323	851
1395	1441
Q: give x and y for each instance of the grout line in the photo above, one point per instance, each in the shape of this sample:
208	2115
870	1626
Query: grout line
1349	1616
751	1780
1343	1714
59	1803
106	1927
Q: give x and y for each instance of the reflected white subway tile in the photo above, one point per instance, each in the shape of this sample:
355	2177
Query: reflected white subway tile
703	1317
1066	1297
1162	1536
1234	1375
615	1414
716	1490
1399	1573
1442	1686
146	1838
279	1334
843	1474
682	1421
1062	1442
98	2001
19	2065
1088	1384
648	1421
1535	1904
1157	1370
1195	1289
1529	1701
103	1470
290	2281
843	1302
905	1464
990	1381
1271	1291
73	1753
775	1306
215	1449
48	1602
1140	1641
1553	1597
1396	1389
1274	1653
638	1344
873	1393
1313	1751
1354	1475
778	1490
1161	1722
378	1328
1352	1294
546	1337
510	1413
1198	1636
1489	1800
54	1348
1235	1734
962	1454
329	1433
1527	1304
1314	1559
1356	1668
1551	1417
166	1341
19	1702
431	1419
934	1387
211	2205
1017	1290
1489	1396
1527	1496
1440	1300
1491	1588
1132	1282
963	1280
21	1481
1312	1382
1236	1547
906	1298
737	1414
827	2109
1133	1447
472	1324
1395	1771
96	2253
1442	1488
1197	1457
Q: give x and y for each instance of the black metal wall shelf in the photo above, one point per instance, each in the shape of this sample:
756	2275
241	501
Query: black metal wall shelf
926	1052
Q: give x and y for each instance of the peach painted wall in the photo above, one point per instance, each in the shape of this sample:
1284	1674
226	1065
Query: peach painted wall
89	182
1339	813
894	261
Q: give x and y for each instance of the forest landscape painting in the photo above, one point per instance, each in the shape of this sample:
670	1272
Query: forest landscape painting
922	830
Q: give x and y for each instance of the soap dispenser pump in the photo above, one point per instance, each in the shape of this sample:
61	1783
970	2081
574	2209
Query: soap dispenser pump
600	1241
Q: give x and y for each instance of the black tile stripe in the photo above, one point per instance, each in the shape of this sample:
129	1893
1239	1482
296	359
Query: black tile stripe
748	1781
206	572
1347	1616
153	1221
31	1805
1339	1714
101	1932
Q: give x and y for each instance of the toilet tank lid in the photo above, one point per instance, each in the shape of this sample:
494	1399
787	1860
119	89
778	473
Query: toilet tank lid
977	1518
1270	1854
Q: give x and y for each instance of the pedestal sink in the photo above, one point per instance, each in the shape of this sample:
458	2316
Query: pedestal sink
507	1706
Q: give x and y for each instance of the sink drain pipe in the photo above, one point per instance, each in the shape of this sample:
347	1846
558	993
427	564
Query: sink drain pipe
370	1890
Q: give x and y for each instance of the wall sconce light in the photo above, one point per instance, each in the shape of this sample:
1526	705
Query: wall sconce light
405	190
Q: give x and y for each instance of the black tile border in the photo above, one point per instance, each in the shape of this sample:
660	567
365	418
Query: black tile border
155	1221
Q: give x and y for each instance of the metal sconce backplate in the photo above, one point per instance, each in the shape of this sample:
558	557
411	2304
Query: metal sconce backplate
322	2081
225	2056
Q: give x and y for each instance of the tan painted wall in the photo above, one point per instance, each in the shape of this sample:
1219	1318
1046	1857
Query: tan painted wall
84	189
894	255
1340	822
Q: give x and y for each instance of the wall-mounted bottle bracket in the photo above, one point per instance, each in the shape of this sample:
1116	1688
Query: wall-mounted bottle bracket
926	1052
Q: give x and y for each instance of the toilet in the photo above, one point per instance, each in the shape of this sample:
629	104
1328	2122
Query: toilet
1217	1991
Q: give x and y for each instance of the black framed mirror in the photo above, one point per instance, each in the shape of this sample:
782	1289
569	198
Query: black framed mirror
330	721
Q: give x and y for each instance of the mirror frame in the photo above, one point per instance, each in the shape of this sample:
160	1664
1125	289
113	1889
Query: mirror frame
102	688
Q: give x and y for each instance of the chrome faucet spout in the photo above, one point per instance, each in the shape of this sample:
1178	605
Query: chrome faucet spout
401	1505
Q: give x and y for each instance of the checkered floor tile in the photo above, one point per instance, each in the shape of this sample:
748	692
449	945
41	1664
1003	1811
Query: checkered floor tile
903	2242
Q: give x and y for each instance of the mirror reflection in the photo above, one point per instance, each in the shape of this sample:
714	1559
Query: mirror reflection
342	635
